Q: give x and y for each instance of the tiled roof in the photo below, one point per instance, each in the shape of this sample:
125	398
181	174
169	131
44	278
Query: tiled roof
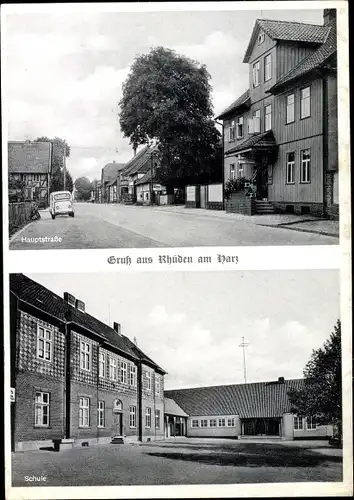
264	140
145	179
29	157
109	171
290	31
140	162
172	408
255	400
47	301
242	100
315	60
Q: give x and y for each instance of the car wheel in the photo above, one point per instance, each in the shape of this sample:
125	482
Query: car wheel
53	216
72	214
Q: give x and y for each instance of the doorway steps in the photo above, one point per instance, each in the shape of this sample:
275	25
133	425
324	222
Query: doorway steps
264	207
117	440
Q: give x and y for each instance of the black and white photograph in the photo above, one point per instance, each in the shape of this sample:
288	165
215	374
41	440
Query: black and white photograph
174	386
171	129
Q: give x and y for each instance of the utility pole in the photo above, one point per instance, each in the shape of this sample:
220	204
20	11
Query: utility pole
64	167
244	345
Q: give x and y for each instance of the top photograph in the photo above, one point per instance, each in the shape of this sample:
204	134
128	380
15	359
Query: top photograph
170	129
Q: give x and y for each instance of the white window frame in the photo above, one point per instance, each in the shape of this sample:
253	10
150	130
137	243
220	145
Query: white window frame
85	356
267	67
298	423
267	118
132	417
221	422
195	423
101	414
44	343
132	375
231	422
239	127
213	422
257	121
113	368
148	380
157	419
204	423
123	372
84	411
256	72
250	125
41	409
260	38
148	417
290	108
232	131
157	386
305	102
290	168
240	169
305	167
311	424
232	171
102	365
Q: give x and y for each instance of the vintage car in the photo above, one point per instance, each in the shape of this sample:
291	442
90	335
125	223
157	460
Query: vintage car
61	203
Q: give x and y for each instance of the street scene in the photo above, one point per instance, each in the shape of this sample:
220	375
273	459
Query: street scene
233	137
203	393
127	226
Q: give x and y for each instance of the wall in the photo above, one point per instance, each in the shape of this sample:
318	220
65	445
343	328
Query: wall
287	426
154	401
215	193
332	122
230	432
289	54
19	215
238	203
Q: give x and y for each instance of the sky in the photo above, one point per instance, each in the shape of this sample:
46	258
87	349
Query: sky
64	70
192	323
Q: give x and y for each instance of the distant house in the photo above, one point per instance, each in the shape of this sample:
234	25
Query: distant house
149	191
175	419
29	170
108	175
245	410
281	133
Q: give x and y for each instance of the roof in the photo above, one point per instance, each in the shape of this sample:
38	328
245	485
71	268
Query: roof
145	179
172	408
241	101
289	31
315	60
110	171
254	400
140	162
29	157
47	301
265	140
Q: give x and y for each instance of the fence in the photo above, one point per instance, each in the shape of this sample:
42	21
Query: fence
19	215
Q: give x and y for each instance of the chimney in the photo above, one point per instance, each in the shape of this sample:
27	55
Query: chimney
70	299
281	380
117	328
80	305
328	16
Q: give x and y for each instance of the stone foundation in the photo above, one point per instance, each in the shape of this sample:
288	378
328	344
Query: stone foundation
214	205
315	209
238	203
191	204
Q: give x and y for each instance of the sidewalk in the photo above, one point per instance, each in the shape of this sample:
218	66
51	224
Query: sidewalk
303	223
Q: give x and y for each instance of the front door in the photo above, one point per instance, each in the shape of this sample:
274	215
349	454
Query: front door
118	421
262	183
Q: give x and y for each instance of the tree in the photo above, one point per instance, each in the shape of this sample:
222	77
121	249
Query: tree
166	100
57	175
321	395
83	187
16	189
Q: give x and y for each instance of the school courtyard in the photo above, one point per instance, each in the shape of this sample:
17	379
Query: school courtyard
180	461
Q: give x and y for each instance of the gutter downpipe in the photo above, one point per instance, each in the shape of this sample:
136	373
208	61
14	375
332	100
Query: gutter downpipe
223	164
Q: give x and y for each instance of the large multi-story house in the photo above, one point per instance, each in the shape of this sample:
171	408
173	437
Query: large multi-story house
281	133
76	379
29	170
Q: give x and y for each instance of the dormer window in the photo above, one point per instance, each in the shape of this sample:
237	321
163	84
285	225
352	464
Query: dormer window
260	38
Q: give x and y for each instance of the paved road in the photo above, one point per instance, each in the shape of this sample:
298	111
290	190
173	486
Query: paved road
176	462
122	226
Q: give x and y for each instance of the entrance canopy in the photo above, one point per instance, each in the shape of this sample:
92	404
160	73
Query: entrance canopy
256	147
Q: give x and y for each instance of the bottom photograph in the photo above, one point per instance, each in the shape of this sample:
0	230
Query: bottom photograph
175	378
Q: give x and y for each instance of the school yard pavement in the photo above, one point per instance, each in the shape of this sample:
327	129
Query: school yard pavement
122	226
179	461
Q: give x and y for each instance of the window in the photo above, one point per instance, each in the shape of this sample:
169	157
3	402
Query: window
157	419
298	423
305	98
257	121
268	67
85	356
260	38
148	417
41	409
239	127
250	125
84	412
311	424
132	375
157	386
100	414
113	369
232	171
290	168
132	416
231	422
305	161
148	381
203	423
240	168
267	117
44	344
123	372
290	108
222	422
195	423
102	365
232	131
212	422
256	74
